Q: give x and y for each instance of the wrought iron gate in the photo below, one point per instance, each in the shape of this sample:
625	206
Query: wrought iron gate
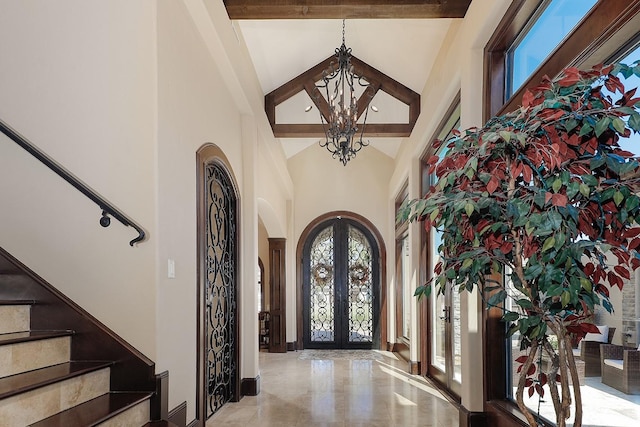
220	292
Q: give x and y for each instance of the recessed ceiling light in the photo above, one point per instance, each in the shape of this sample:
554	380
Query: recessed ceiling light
309	107
374	109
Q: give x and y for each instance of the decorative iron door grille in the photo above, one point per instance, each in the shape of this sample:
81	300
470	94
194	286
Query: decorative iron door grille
220	289
341	287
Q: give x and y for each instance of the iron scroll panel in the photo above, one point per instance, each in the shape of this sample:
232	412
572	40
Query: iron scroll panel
220	289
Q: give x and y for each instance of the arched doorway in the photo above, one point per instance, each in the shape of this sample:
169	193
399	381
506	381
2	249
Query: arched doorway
341	286
218	328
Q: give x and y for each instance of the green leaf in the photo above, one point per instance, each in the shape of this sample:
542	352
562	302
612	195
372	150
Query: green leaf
602	125
557	183
632	202
468	208
467	263
618	125
510	316
565	298
505	135
548	244
572	189
539	198
586	129
590	180
618	197
586	284
634	122
585	190
497	298
434	214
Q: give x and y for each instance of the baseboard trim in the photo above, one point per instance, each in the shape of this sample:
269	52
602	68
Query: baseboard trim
193	423
472	419
250	386
178	415
292	346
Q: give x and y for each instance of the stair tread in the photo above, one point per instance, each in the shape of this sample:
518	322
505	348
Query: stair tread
94	411
20	383
17	337
160	424
17	302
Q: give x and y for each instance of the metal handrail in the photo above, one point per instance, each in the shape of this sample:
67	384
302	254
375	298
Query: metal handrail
107	208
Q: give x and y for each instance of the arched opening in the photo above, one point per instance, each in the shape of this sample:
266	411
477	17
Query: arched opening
218	268
341	300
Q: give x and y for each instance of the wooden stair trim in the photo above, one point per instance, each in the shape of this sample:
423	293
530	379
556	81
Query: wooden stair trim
28	336
93	340
17	302
31	380
94	411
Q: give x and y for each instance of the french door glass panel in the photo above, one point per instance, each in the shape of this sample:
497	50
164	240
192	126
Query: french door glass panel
340	300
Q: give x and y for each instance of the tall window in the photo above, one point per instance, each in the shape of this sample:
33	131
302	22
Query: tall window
555	19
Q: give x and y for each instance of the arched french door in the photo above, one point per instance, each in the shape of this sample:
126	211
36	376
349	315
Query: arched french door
341	287
218	285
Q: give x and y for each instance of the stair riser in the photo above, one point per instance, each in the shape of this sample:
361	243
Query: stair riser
14	318
36	405
136	416
26	356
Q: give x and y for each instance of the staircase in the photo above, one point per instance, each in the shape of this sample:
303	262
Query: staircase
60	367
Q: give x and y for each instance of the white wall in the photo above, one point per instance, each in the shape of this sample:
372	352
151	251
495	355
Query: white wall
78	79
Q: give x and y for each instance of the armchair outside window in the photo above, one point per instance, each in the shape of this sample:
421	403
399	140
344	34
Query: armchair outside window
621	368
590	350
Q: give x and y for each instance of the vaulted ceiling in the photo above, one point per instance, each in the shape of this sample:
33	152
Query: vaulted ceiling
399	38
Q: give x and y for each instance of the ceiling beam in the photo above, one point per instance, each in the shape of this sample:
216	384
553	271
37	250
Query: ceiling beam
346	9
373	130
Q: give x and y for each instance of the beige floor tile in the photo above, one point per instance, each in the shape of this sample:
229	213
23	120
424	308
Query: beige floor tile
337	393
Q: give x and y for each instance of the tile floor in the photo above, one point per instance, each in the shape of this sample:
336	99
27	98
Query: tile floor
300	389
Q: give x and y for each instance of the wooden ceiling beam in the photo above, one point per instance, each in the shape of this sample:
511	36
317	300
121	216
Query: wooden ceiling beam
373	130
346	9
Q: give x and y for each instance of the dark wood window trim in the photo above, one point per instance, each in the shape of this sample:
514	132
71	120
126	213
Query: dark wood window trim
402	344
603	33
599	28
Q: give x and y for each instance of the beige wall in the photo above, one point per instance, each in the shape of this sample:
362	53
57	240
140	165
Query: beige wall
78	79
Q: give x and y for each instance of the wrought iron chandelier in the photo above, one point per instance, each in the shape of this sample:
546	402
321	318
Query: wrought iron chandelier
341	127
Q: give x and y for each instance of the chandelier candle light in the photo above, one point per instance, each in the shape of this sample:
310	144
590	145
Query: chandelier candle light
341	126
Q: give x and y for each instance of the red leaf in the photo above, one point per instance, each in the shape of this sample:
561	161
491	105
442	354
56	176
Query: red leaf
522	359
492	185
528	382
543	379
559	200
622	272
527	173
589	327
532	370
433	160
588	269
632	232
540	390
527	98
531	391
506	247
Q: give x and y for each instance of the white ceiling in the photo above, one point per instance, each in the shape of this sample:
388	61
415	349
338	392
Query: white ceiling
403	49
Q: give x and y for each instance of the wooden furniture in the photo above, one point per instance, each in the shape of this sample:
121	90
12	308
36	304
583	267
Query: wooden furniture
620	368
590	355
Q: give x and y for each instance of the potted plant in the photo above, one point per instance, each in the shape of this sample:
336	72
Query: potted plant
544	196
